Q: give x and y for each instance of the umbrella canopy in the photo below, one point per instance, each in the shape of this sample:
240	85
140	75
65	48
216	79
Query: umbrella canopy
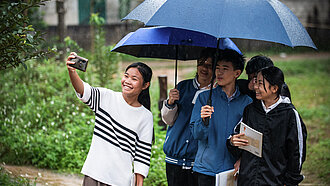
267	20
169	43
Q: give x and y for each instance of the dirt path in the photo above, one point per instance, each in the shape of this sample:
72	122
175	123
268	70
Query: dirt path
43	176
164	67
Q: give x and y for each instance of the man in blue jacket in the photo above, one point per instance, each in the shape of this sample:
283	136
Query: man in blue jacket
228	104
180	147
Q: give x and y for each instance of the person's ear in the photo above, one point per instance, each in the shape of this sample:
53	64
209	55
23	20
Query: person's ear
274	89
146	85
237	73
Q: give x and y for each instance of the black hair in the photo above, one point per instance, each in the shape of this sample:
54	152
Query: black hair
207	52
144	96
257	63
146	72
229	55
275	76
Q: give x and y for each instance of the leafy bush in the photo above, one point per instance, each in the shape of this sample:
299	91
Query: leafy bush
41	118
45	125
72	45
8	180
106	62
19	40
157	171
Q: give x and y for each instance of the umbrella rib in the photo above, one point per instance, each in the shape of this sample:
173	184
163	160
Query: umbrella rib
176	65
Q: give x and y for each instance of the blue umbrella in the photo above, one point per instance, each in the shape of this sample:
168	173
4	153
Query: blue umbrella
169	43
267	20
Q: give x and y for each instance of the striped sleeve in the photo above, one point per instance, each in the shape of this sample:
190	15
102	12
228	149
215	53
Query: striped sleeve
143	147
295	146
301	137
91	97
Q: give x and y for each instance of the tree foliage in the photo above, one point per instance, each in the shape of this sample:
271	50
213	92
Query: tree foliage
105	61
124	8
19	40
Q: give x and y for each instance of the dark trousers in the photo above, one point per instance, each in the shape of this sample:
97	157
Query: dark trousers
205	180
88	181
176	176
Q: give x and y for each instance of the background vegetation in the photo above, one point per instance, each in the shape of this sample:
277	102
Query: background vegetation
19	40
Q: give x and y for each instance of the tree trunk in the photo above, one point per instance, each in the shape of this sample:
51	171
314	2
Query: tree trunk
61	27
162	96
92	28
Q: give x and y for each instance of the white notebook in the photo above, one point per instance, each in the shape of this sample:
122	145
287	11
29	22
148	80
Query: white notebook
225	178
255	140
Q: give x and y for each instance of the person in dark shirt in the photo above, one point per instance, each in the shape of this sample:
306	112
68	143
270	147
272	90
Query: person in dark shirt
284	135
179	146
255	64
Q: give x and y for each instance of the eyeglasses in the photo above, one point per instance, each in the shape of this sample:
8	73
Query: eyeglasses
202	62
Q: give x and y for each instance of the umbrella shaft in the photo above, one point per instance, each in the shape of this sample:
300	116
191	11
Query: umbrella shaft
214	64
176	66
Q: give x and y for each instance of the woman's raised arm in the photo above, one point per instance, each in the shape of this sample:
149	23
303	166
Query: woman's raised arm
74	77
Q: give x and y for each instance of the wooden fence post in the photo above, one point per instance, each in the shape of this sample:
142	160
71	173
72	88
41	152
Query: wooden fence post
162	96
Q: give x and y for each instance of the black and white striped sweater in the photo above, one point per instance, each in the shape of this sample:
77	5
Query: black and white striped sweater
121	140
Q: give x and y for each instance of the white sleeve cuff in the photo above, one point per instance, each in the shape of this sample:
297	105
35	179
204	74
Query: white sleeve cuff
87	93
169	115
141	168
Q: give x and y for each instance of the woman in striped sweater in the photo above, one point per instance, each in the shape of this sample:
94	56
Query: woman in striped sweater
123	129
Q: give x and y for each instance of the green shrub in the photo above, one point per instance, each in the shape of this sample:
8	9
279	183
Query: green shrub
8	180
45	125
19	39
105	62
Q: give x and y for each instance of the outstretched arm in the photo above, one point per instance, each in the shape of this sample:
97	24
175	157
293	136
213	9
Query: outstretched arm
74	77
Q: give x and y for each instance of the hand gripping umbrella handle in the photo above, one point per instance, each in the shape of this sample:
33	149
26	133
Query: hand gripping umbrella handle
214	64
207	120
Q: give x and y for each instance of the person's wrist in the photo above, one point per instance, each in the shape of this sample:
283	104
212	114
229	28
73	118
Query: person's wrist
170	106
72	70
170	103
230	141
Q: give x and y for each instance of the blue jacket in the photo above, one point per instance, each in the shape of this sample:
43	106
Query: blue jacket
212	156
179	146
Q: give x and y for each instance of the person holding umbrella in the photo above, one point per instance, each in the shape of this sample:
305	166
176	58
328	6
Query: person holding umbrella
123	129
228	104
180	148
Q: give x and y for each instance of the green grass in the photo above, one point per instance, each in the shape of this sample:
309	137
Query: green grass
309	84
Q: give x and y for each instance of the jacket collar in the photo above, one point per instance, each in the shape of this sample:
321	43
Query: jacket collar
282	99
197	84
224	95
